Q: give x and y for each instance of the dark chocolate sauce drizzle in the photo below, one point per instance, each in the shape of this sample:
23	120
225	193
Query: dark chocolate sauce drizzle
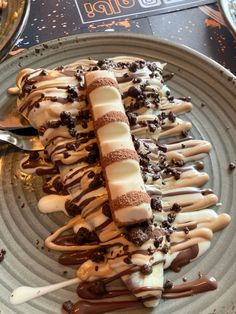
199	285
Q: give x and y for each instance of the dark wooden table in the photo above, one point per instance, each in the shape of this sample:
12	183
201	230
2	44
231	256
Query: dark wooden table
201	28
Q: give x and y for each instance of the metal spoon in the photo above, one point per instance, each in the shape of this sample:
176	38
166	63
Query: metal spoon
28	143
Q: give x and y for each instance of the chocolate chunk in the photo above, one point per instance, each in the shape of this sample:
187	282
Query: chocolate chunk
70	98
199	165
132	118
146	269
85	236
98	257
171	116
133	67
168	284
68	306
127	260
171	217
98	288
156	203
165	249
152	128
152	66
166	224
66	118
71	146
2	255
157	243
176	207
231	166
133	92
136	142
137	236
178	163
177	174
54	98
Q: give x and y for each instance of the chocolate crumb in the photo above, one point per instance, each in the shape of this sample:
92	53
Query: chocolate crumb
2	255
98	257
184	133
202	104
146	269
231	166
171	217
165	249
186	230
156	203
96	268
127	260
184	279
65	272
85	236
176	207
68	306
137	236
168	284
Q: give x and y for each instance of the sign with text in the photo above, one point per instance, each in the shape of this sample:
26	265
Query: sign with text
100	10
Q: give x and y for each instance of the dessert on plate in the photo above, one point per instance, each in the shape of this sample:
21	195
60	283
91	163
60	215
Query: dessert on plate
119	162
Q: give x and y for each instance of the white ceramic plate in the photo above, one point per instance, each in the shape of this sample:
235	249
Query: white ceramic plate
21	224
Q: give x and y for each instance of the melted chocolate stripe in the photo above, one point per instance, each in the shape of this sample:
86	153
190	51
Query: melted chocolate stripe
101	82
119	155
133	198
112	116
200	285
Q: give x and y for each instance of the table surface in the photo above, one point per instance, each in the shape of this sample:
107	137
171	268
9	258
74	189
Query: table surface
201	27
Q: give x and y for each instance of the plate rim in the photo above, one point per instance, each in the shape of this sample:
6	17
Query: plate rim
6	46
150	38
224	9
